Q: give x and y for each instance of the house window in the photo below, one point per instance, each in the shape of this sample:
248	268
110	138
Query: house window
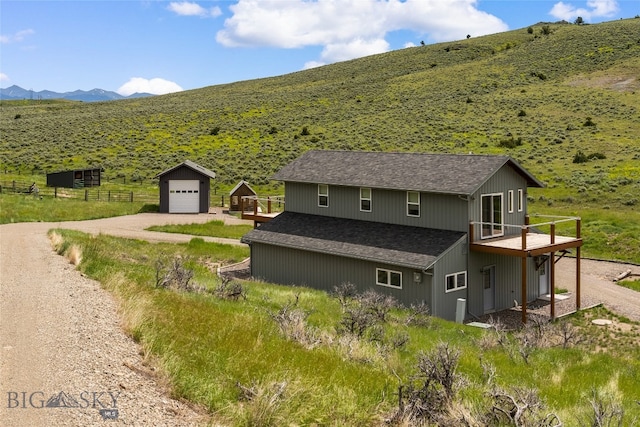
365	199
510	201
323	195
520	200
492	215
392	279
455	281
413	203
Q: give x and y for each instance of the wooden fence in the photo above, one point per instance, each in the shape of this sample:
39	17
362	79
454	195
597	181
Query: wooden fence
86	194
91	194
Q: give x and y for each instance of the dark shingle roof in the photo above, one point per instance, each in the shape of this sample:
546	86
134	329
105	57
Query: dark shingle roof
191	165
412	247
437	173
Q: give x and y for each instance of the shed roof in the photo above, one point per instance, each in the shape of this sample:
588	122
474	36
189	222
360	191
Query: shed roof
191	165
438	173
413	247
240	184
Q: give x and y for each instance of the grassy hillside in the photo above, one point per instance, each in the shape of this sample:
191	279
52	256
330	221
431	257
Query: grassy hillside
546	95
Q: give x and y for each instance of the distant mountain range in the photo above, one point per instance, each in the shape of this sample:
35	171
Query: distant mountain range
17	93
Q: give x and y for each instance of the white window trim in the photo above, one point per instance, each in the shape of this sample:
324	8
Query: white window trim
520	200
363	199
510	201
389	272
482	223
414	204
455	281
323	195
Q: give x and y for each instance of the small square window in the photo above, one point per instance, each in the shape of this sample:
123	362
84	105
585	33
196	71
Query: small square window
365	199
455	281
389	278
413	203
323	195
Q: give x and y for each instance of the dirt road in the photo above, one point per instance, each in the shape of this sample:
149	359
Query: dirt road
64	359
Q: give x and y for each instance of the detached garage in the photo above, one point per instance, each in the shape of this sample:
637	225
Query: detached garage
185	188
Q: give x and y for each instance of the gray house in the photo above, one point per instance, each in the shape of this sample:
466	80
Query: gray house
432	228
185	188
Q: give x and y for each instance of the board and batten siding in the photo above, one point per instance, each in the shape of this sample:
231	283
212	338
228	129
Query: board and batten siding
440	211
454	260
502	181
288	266
184	173
508	281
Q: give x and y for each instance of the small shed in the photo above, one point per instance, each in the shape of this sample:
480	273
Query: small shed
185	188
77	178
239	191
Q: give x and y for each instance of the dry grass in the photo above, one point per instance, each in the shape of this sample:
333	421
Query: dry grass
74	255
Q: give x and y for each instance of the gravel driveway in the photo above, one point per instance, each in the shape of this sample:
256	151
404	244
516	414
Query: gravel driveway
63	343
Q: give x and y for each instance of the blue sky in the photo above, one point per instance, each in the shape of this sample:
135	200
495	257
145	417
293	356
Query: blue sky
160	46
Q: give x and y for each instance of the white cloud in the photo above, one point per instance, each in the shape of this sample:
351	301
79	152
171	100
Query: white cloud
4	77
349	29
313	64
155	86
595	9
17	37
186	8
353	49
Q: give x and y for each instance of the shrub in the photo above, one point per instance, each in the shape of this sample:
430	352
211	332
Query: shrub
510	142
431	391
580	157
522	113
589	122
173	275
230	290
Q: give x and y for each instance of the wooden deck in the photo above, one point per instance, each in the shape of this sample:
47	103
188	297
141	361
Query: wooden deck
532	244
258	214
528	244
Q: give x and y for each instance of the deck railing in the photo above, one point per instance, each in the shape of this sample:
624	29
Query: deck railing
264	208
527	227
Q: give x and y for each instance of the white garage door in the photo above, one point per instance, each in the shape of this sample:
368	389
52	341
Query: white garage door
184	196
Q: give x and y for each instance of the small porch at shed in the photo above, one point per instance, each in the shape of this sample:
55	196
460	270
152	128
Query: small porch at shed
531	243
263	209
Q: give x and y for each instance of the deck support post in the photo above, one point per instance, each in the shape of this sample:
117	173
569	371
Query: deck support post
578	226
524	289
552	273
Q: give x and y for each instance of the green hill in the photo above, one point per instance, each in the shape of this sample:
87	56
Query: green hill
546	95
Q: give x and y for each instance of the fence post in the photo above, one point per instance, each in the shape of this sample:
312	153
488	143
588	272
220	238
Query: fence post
131	196
109	196
222	201
86	195
14	186
55	192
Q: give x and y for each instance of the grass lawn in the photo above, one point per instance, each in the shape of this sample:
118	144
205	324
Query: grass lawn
282	356
631	284
214	228
27	208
